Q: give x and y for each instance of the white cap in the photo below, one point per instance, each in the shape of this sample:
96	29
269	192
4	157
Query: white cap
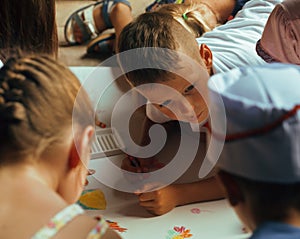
263	139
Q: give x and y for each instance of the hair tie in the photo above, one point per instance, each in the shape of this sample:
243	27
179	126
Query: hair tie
184	16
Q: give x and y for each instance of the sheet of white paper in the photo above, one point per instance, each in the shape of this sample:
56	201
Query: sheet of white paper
209	220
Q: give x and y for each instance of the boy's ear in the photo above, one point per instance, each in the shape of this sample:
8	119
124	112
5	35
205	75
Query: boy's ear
207	57
233	192
83	147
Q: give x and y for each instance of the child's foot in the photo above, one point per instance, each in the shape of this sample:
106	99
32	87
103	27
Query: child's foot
97	21
87	22
77	32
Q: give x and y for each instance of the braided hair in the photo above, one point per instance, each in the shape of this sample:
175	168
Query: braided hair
37	97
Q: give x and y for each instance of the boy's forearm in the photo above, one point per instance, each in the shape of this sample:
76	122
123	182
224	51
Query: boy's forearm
204	190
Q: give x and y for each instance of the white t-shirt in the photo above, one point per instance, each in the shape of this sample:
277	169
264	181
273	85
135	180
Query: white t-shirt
232	44
1	64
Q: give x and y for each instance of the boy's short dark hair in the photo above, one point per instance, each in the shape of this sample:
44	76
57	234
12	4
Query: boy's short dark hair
156	31
269	201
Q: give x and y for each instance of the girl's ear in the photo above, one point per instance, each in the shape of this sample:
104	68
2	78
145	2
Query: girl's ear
73	157
233	192
207	57
81	150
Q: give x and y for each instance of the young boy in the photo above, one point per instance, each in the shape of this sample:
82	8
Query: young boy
259	164
226	47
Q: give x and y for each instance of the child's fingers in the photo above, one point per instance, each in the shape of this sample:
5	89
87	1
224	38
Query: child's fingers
153	164
127	165
136	165
142	164
149	205
149	188
144	197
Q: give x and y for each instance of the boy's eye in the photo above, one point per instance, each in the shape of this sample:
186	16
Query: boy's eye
165	103
188	89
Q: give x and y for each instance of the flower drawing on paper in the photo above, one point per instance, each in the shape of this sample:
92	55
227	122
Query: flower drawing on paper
179	233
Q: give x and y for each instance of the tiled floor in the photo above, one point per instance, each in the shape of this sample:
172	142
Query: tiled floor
75	55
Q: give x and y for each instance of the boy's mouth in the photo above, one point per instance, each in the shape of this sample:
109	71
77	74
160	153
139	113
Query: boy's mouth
199	115
196	118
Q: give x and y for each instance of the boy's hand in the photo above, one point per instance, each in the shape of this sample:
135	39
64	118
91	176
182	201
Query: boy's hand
138	165
160	201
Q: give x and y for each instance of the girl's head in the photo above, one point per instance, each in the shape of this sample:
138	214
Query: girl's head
29	26
37	97
197	18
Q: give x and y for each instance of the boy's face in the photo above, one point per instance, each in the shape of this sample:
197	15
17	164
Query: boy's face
185	103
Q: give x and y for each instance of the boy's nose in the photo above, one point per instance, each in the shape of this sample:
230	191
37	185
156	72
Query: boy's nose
187	111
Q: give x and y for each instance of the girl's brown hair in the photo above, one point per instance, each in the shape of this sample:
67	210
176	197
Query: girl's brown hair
37	99
29	26
197	18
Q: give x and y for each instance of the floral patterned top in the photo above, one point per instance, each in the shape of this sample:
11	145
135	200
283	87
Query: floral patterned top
62	218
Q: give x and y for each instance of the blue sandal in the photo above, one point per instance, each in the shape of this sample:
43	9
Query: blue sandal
83	18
